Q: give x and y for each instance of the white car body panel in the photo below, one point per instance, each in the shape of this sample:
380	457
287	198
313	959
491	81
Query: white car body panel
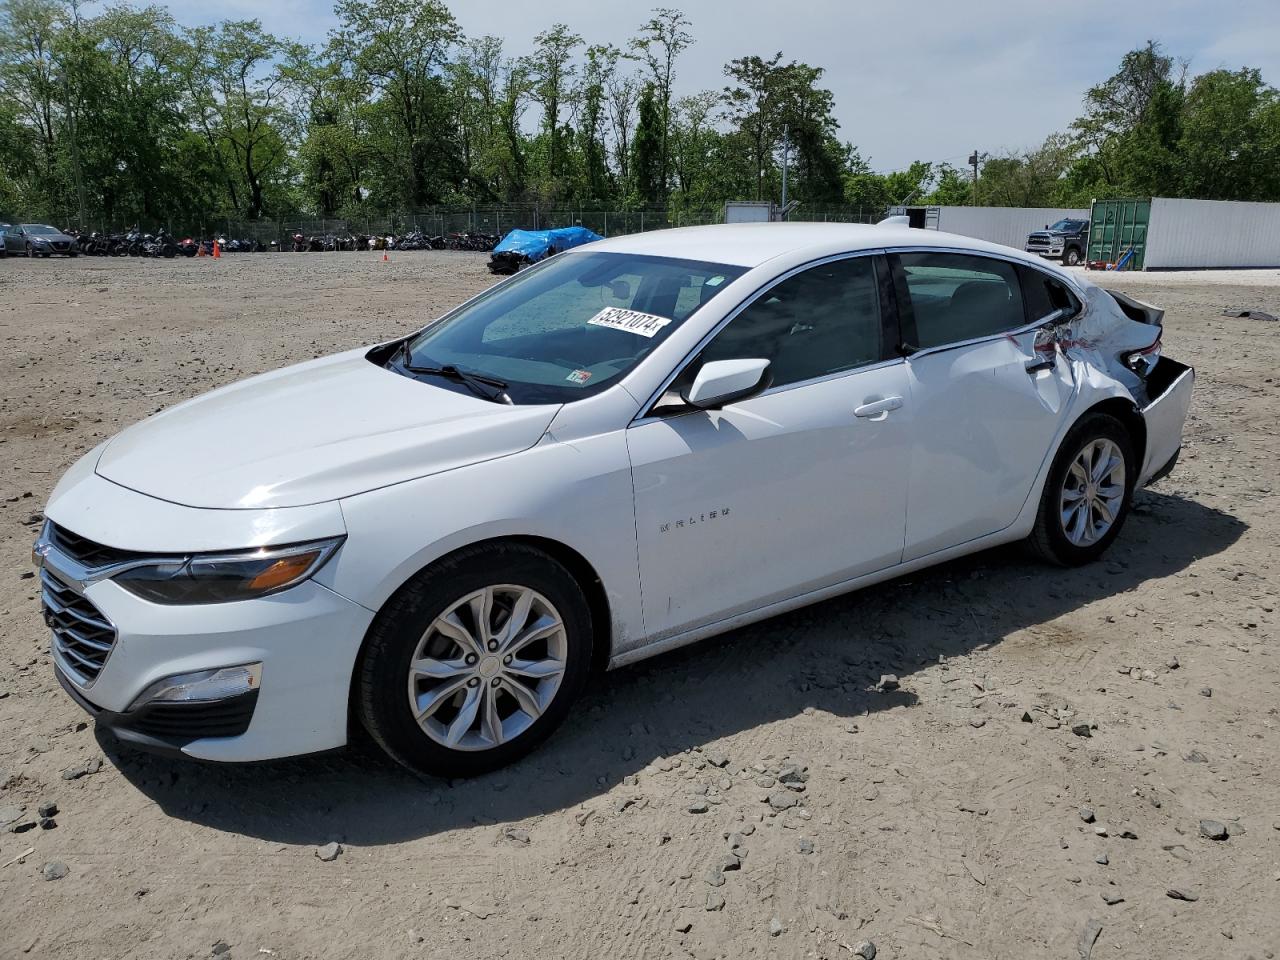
313	432
793	474
830	484
980	423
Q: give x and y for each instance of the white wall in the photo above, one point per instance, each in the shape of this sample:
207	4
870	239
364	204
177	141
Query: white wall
1007	225
1212	233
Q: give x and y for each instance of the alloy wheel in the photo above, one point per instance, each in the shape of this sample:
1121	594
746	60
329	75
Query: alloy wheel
1093	492
487	667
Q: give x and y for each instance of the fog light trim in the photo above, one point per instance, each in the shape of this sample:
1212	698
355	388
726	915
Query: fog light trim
202	686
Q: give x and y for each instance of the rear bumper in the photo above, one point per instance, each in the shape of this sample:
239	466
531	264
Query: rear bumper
1169	388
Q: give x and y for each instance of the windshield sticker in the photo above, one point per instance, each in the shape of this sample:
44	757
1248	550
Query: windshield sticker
713	282
632	321
579	377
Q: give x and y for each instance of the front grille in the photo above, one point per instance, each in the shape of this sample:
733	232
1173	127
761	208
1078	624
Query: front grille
82	635
87	553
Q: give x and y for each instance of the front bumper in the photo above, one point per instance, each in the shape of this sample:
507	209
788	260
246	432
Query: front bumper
306	640
167	728
1051	250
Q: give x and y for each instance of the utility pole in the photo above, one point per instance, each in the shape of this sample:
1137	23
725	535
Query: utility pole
786	160
973	162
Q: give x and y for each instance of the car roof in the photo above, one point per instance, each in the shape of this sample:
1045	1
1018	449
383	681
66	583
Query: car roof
751	244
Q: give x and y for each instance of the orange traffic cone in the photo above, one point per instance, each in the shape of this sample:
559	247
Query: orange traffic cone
385	258
217	253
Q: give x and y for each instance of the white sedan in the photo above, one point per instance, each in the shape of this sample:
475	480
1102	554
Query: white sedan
629	447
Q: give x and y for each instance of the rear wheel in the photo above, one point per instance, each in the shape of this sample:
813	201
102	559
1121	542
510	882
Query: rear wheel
1088	492
476	661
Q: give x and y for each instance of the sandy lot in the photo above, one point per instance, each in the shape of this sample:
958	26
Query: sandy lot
936	821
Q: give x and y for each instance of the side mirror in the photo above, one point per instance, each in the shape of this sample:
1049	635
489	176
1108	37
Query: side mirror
722	382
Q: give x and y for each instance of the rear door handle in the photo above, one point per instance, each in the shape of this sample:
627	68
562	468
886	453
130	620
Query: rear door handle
877	407
1035	366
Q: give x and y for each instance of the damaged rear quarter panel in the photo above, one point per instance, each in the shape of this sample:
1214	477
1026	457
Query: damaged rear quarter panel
1096	342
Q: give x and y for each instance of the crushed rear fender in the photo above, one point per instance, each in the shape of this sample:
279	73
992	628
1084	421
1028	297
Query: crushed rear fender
1114	326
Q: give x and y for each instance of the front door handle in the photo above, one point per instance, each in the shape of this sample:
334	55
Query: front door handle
877	408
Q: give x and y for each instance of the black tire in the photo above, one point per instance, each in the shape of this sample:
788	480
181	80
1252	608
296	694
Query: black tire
1049	538
380	690
1071	257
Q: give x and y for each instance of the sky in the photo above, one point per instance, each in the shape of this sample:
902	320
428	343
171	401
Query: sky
913	79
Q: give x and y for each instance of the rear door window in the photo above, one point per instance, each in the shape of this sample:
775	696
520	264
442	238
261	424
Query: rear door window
954	297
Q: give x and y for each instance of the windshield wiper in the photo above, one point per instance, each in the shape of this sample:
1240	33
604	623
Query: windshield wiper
490	388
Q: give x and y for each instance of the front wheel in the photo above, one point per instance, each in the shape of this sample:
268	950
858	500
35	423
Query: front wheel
1088	492
475	661
1072	257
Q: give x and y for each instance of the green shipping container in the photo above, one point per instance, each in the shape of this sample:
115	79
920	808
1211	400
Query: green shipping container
1115	228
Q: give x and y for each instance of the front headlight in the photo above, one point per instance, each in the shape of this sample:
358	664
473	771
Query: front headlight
223	577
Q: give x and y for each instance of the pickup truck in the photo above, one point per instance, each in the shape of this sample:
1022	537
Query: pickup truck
1066	240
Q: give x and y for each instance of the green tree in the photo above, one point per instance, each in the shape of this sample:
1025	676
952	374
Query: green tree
646	150
661	40
552	72
401	48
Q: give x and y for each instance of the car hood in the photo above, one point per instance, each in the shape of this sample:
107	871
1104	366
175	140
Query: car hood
314	432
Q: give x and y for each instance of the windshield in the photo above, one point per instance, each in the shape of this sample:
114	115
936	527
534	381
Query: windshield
1067	226
569	327
40	230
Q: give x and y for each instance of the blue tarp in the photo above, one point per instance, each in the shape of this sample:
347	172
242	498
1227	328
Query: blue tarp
534	244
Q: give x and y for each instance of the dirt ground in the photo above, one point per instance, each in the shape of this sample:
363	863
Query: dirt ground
939	820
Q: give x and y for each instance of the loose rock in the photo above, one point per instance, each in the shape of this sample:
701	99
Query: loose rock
516	835
715	900
85	769
782	799
54	870
1176	894
865	949
1213	830
1086	814
775	927
887	682
329	852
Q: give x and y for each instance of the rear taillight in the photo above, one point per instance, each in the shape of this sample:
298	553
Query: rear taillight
1142	362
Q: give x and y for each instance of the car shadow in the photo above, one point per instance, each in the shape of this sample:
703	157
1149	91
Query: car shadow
828	657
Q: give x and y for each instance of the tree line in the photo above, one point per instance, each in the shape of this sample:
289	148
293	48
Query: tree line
127	115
